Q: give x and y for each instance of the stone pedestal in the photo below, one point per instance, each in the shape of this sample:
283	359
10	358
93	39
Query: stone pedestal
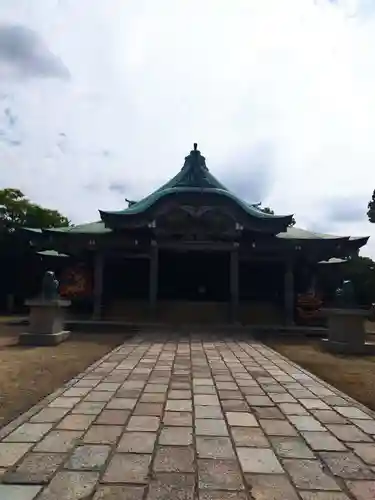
346	332
47	318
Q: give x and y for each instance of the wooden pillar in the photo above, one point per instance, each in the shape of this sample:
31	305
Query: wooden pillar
154	271
98	285
289	292
234	284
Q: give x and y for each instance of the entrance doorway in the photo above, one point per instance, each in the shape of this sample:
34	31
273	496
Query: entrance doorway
194	276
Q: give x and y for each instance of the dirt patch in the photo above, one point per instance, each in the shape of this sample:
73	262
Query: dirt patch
28	374
353	375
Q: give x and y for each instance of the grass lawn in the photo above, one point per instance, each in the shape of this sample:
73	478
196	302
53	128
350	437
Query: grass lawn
354	375
27	374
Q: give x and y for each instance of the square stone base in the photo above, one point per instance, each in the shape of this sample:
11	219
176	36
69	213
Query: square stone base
367	348
40	339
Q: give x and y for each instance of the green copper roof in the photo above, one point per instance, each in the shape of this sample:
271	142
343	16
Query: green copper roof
194	177
296	233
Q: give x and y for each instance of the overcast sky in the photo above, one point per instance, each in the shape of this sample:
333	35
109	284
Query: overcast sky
102	100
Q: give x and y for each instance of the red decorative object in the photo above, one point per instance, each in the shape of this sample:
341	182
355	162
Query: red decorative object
76	282
308	307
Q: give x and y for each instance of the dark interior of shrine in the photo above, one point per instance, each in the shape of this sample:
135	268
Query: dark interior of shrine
196	276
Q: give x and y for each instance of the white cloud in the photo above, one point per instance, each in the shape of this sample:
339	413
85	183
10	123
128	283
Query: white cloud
293	79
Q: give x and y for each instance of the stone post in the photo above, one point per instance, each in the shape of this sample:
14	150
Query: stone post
98	285
234	284
289	292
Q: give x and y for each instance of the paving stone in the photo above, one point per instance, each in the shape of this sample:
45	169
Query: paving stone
206	400
16	492
28	433
176	436
306	423
179	394
291	447
222	495
161	388
10	453
59	441
89	408
88	457
259	401
103	434
268	412
62	402
208	412
346	465
70	485
241	419
49	415
113	417
309	475
35	468
366	451
180	419
174	459
76	392
223	395
76	422
323	441
219	475
249	436
153	409
323	495
259	460
178	405
153	397
336	401
282	398
210	427
349	433
234	405
314	404
270	487
119	493
107	386
168	486
127	468
278	427
202	381
214	447
253	391
292	409
362	490
367	426
328	417
137	442
98	396
204	389
352	412
179	385
121	404
143	423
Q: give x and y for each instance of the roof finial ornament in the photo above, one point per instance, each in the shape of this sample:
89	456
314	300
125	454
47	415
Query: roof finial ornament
195	146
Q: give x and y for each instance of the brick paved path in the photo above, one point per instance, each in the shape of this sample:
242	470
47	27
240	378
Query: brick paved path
179	419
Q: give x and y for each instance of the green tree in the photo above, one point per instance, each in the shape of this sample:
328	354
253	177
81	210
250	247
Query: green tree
17	211
268	210
371	208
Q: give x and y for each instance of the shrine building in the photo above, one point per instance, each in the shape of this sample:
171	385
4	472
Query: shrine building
191	251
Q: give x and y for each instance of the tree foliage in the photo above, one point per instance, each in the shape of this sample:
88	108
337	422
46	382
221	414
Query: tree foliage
268	210
361	271
17	211
371	208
